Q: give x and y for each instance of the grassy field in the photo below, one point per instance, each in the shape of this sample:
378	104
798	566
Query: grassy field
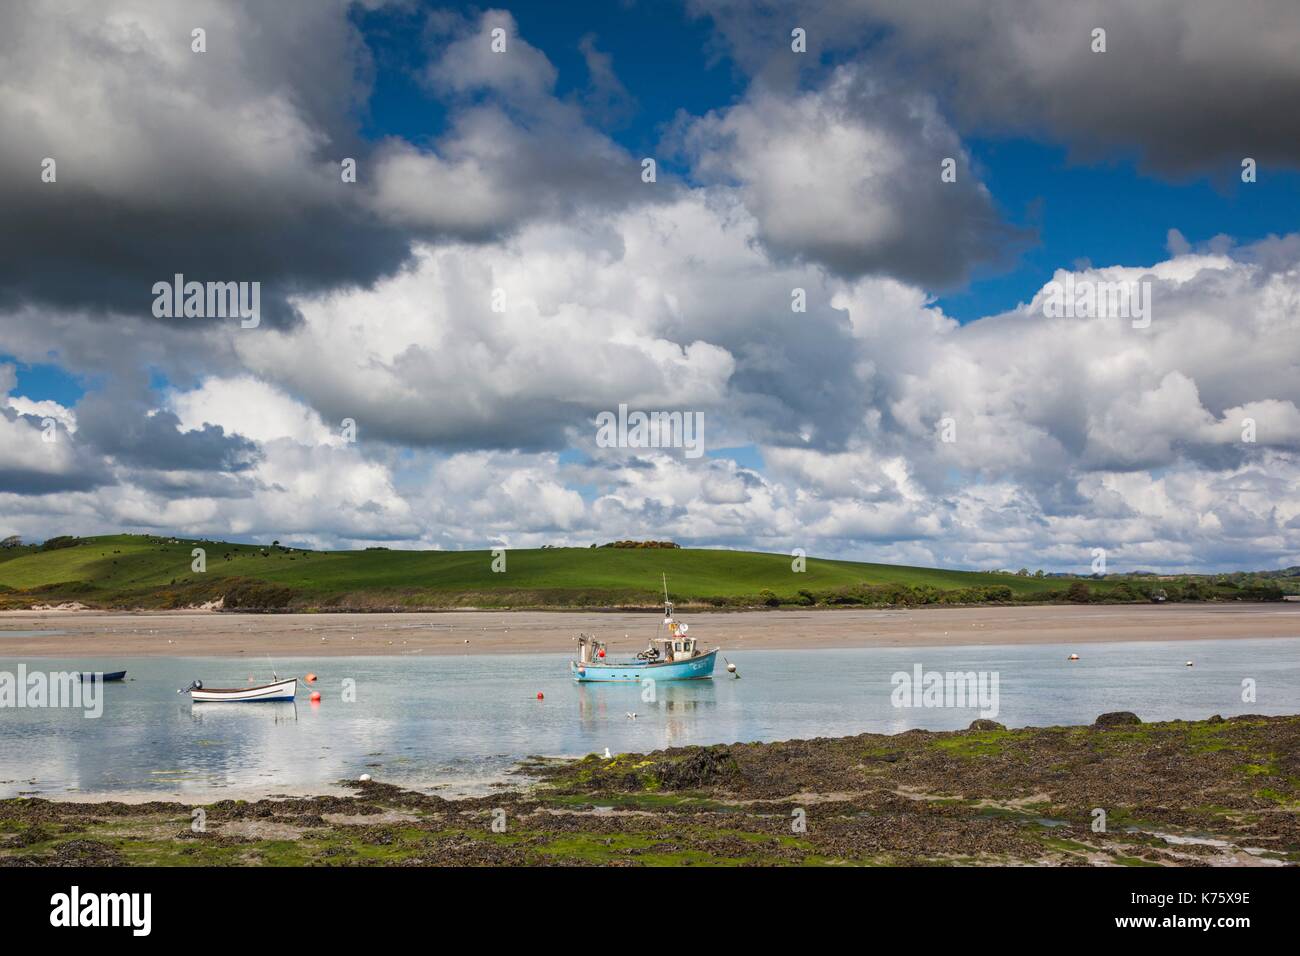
154	572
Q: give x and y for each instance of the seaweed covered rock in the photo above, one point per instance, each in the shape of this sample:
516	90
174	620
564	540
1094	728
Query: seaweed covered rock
1117	718
702	768
985	724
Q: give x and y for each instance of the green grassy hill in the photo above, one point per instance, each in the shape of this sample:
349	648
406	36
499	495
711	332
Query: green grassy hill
154	572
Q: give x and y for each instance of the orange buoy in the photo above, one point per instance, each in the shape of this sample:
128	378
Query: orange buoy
315	697
540	696
311	678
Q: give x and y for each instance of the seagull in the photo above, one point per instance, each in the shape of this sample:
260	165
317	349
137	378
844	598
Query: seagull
631	716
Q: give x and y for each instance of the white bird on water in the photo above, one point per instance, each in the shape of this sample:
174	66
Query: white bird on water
631	715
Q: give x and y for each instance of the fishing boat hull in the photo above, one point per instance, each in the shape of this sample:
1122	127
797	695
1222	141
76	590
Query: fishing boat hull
281	690
695	668
106	677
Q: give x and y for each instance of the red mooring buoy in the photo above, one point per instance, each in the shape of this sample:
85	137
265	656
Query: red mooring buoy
540	696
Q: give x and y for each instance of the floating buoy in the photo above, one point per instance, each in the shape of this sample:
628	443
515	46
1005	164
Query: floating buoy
540	696
1188	664
1073	657
364	778
310	678
315	697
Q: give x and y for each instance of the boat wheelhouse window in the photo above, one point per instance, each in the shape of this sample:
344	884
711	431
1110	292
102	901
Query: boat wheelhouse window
677	645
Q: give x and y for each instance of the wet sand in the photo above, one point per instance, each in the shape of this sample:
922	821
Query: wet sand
200	633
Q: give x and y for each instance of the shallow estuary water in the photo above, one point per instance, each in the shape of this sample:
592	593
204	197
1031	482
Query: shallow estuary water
460	723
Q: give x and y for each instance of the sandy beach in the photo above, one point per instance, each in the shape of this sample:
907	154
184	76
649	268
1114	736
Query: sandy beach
197	633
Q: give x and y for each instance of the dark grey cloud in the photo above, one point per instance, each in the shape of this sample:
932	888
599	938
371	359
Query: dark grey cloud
1192	85
22	481
221	165
127	432
226	165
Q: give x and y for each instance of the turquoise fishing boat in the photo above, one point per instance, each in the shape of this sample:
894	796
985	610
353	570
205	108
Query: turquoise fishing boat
671	655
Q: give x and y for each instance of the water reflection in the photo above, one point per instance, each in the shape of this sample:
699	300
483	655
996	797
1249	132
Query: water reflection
464	721
222	714
673	706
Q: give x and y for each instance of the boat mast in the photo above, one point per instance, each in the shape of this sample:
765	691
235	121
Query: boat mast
668	610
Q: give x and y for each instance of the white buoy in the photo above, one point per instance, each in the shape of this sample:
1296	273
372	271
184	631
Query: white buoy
1073	657
1188	664
364	778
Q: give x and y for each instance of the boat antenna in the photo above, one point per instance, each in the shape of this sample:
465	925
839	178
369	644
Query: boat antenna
274	675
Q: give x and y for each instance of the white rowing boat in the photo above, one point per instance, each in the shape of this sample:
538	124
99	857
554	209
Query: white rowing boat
280	690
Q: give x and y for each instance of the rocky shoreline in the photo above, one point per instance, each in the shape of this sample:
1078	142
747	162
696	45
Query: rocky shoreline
1120	792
